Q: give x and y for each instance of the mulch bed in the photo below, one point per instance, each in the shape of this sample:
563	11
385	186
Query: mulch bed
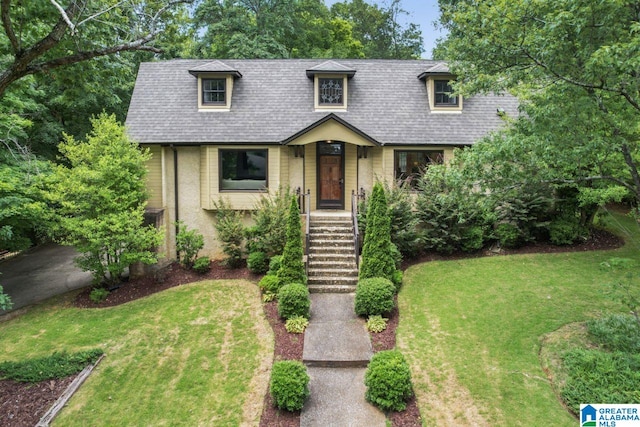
24	404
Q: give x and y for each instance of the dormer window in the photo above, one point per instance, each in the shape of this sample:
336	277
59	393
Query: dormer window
214	91
438	80
443	94
215	85
330	83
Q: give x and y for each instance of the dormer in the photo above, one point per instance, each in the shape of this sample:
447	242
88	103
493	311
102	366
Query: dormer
215	85
438	79
330	85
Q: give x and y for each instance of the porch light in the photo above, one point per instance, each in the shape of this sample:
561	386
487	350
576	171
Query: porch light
298	151
363	151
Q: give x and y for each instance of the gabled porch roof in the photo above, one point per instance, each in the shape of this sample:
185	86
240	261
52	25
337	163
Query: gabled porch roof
331	127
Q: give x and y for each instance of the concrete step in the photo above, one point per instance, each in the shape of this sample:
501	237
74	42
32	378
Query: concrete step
331	289
319	249
330	223
334	237
330	242
333	272
331	256
342	264
330	281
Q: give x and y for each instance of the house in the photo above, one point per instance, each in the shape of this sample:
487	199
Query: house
240	128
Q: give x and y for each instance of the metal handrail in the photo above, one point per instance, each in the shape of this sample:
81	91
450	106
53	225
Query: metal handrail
354	218
307	211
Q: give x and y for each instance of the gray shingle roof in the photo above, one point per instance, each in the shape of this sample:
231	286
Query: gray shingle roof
274	100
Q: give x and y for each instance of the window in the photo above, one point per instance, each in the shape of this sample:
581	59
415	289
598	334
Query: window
410	165
442	92
331	91
214	92
243	170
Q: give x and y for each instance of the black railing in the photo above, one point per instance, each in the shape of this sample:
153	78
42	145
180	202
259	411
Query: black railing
305	207
356	234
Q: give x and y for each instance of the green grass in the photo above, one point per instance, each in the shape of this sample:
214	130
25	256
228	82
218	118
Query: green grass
472	331
197	354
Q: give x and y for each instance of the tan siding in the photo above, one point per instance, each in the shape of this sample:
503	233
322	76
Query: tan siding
387	165
310	171
376	160
350	173
284	165
154	177
205	180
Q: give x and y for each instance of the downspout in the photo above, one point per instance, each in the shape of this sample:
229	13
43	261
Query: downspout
175	194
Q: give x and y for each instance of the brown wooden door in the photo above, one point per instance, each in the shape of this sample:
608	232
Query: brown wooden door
331	182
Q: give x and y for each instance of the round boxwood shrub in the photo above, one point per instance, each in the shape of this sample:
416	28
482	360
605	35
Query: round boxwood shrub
388	381
257	262
294	300
269	284
374	296
289	386
274	264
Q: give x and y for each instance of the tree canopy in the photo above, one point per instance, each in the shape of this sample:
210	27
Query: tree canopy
575	65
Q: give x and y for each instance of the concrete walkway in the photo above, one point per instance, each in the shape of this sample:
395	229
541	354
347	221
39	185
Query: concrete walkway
41	273
337	350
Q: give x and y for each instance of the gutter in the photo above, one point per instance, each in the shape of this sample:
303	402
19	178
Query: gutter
175	194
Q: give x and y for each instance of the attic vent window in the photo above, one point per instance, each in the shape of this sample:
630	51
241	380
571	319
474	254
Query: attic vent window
214	91
331	91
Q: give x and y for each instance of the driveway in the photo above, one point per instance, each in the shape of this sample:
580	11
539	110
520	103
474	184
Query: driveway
41	273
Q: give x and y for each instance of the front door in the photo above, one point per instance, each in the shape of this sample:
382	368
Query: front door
330	175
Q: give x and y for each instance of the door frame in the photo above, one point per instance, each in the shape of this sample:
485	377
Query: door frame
319	202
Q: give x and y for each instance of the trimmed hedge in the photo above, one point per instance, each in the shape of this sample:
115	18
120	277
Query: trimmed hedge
294	300
374	296
289	386
388	381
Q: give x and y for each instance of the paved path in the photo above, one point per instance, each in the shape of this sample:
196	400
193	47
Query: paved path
337	350
41	273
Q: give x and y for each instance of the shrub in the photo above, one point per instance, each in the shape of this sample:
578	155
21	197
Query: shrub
388	381
397	279
472	238
289	386
202	264
270	284
98	295
617	332
565	230
292	269
268	235
230	231
258	263
596	376
294	300
376	323
509	235
5	300
374	296
274	264
58	365
296	324
377	251
188	243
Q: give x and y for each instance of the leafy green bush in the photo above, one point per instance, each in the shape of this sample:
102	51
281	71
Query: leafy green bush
292	269
374	296
617	332
5	300
270	284
202	264
289	386
296	324
274	264
596	376
509	235
376	323
258	263
472	238
294	300
397	279
58	365
269	215
188	243
98	295
388	381
565	230
230	231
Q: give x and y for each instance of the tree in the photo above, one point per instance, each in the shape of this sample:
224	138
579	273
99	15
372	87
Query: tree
377	250
43	36
574	65
100	198
292	268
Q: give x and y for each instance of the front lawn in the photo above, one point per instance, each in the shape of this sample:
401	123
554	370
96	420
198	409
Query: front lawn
197	354
472	331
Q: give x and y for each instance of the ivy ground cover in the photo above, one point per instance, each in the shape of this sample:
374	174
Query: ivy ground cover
197	354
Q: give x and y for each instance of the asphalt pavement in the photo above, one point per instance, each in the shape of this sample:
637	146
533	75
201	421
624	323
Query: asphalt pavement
41	273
